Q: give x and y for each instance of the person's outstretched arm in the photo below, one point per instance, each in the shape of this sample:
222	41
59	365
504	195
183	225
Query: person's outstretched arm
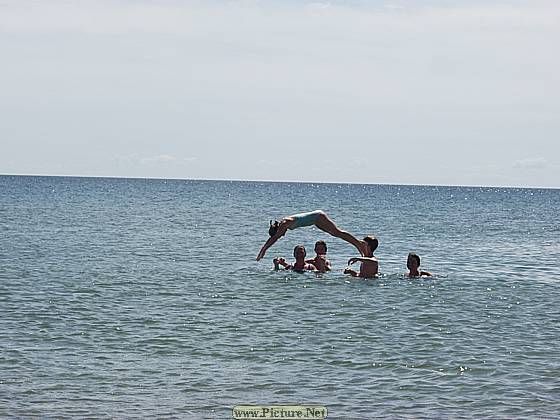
279	233
361	259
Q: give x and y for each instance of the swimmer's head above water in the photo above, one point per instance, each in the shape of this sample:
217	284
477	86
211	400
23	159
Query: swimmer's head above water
413	264
413	261
372	243
321	247
299	251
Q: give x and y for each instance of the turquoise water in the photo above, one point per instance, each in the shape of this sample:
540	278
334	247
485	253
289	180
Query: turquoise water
141	298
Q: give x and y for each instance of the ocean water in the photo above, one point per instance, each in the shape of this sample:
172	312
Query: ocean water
132	298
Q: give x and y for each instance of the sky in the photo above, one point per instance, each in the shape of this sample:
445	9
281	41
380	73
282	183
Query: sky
456	92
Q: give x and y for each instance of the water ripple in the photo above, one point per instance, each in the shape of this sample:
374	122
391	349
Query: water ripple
136	298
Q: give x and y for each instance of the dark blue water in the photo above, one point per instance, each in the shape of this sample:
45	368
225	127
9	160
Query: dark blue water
142	298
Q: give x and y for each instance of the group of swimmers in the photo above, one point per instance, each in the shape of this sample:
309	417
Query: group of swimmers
369	266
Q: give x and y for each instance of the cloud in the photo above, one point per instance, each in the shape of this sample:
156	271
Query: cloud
157	159
136	159
163	159
161	82
531	163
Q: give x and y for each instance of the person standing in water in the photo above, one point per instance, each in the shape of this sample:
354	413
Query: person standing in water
369	266
320	261
299	266
314	218
413	263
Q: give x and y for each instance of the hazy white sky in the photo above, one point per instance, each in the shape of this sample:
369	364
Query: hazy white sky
461	92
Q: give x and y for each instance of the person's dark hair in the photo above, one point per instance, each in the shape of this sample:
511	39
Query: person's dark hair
416	257
321	243
372	242
300	246
273	228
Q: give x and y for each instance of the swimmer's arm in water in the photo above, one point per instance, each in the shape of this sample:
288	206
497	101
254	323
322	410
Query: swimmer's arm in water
420	274
279	233
353	273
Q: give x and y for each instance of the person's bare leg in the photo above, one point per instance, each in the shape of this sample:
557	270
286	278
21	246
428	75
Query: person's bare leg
327	225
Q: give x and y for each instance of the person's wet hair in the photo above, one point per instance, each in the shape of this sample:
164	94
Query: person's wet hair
416	257
273	228
302	247
321	243
372	242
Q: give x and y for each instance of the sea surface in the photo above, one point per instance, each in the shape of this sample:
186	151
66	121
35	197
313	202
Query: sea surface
136	298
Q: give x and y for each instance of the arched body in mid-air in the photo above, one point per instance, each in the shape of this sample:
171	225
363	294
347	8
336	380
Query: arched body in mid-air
315	218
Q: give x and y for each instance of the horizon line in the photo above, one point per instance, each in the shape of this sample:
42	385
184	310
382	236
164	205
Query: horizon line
279	181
